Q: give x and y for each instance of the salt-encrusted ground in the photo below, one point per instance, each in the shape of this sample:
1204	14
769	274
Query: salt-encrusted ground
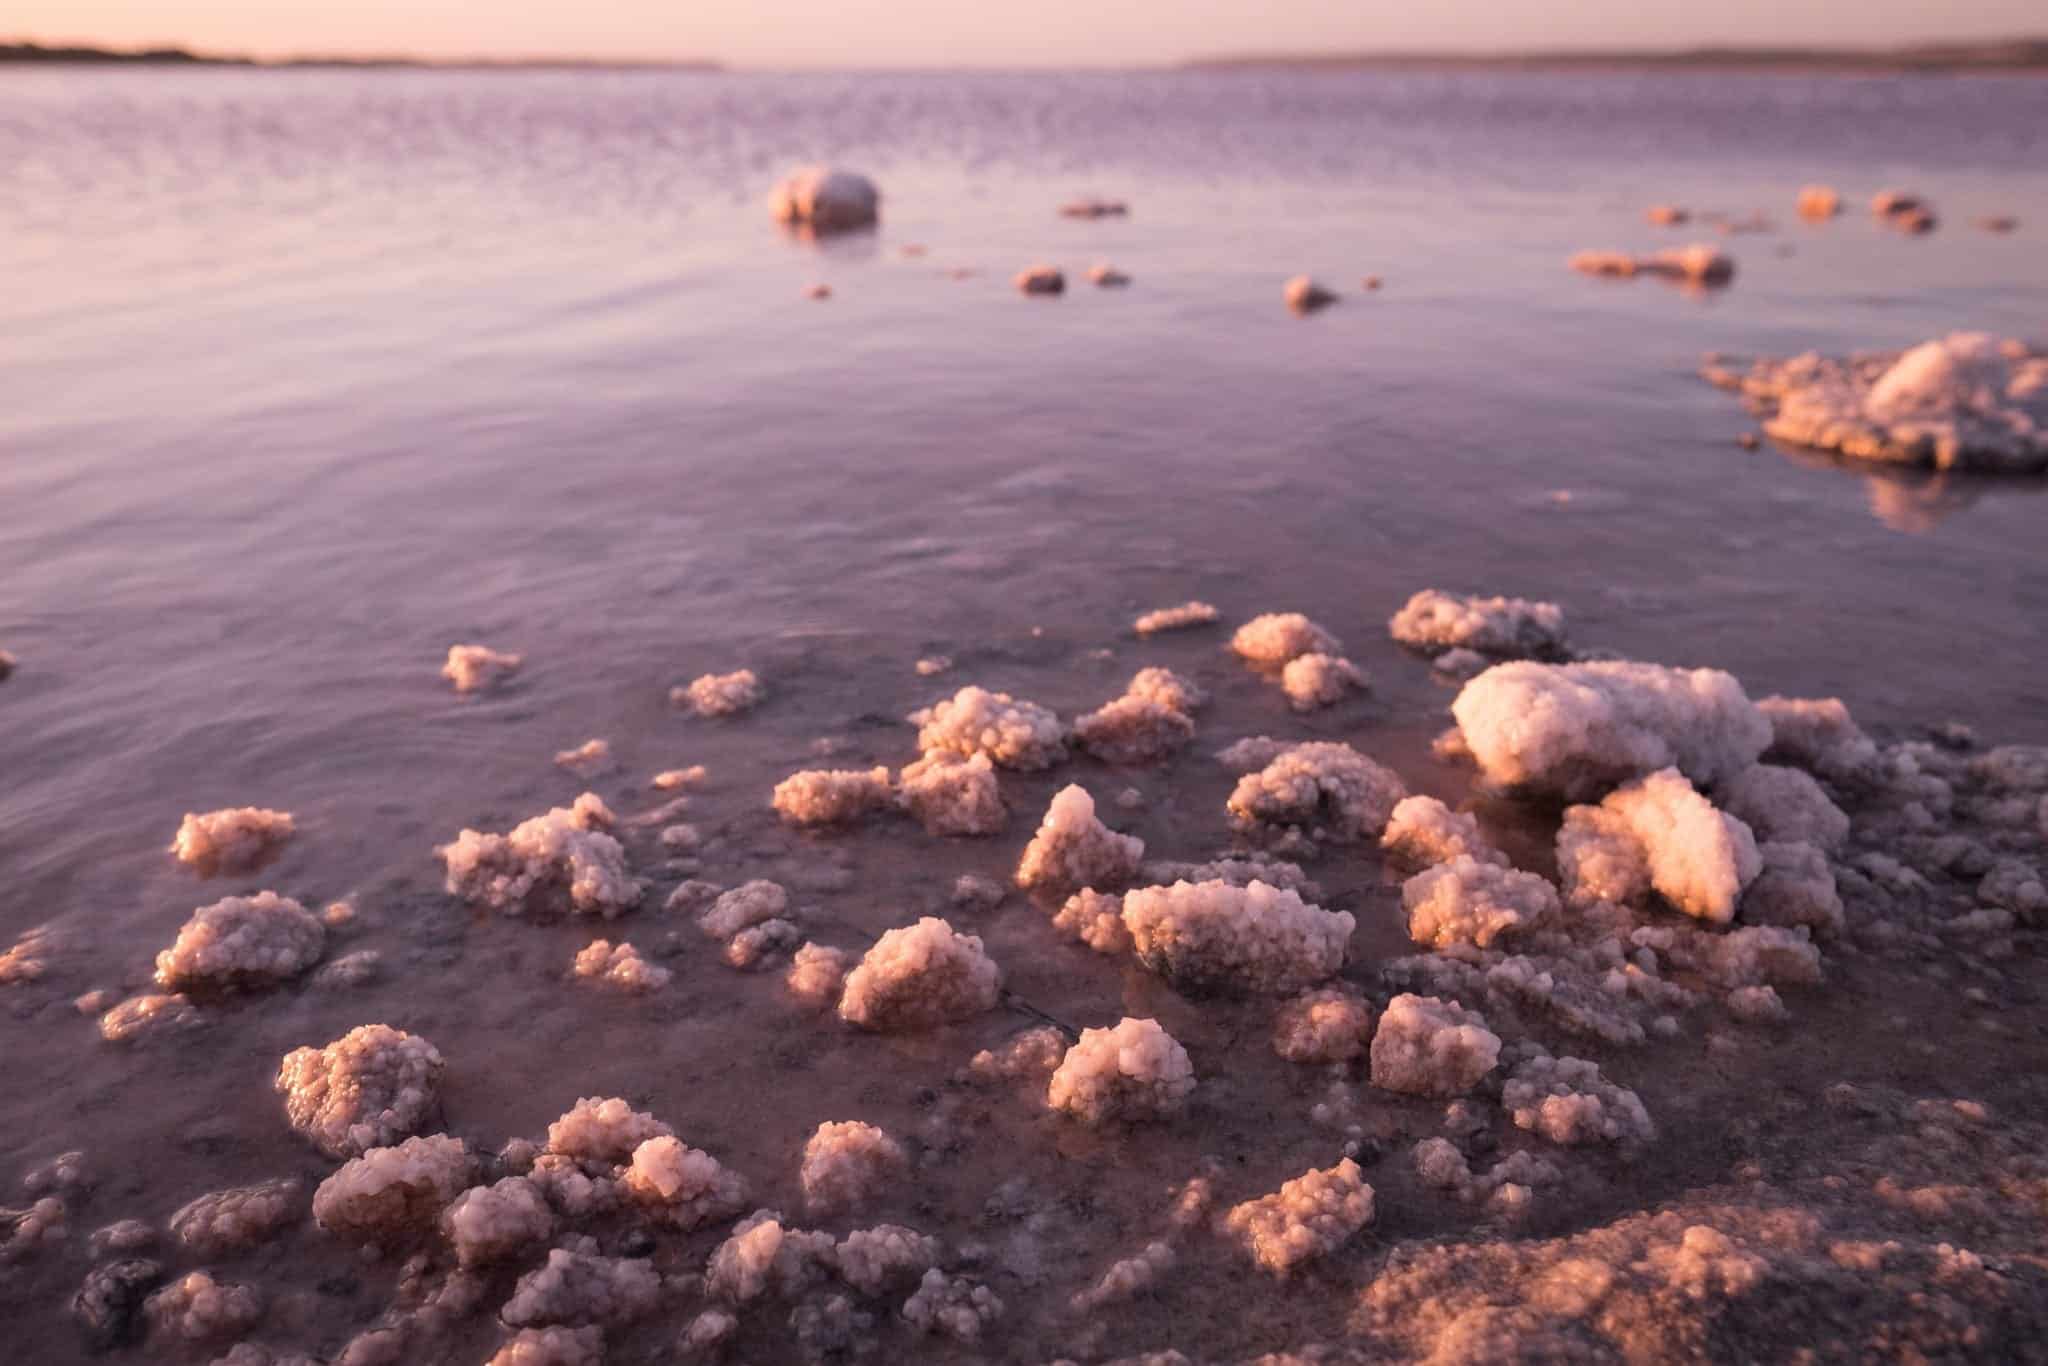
1722	1158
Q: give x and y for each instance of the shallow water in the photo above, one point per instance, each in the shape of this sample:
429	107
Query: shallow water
305	376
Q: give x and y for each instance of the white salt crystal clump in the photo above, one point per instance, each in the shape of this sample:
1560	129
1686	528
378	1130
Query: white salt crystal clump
1127	1278
918	976
871	1259
1795	888
822	796
1566	1100
393	1191
1333	1024
619	966
1012	733
603	1130
847	1164
1030	1055
953	794
1073	849
682	1186
1134	1071
1133	730
825	199
1322	790
141	1017
1820	736
197	1308
1423	832
1469	902
552	1347
581	1288
762	1254
1319	680
1576	730
472	668
234	1220
232	840
1309	1217
242	941
1095	919
31	955
1277	637
1699	859
1176	618
1783	804
1600	859
951	1305
1238	872
720	694
750	903
564	859
498	1223
1213	936
591	757
670	779
1425	1046
368	1089
1434	622
817	973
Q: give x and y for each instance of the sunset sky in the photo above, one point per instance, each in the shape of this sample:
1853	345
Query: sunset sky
867	33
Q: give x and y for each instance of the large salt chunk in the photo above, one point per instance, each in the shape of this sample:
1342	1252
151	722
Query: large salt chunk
498	1223
824	796
1566	1100
1277	637
1423	832
368	1089
1012	733
1133	729
951	1305
1309	1217
198	1308
825	199
1073	849
473	668
848	1163
242	941
750	903
1784	804
239	1218
392	1192
1469	902
952	794
1322	790
563	860
1820	736
618	966
763	1253
1434	622
720	694
682	1186
1212	936
1577	730
600	1129
1600	859
231	840
1319	680
1795	888
1700	859
552	1347
582	1288
1134	1071
1331	1024
871	1259
1425	1046
918	976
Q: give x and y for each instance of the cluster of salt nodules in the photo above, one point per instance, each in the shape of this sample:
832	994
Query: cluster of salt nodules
576	1288
1578	730
920	976
1153	718
681	1186
952	794
1322	791
1466	901
1216	937
1189	614
1695	263
1426	1046
1327	1025
1506	1188
1423	832
566	859
242	941
825	199
242	1217
1309	1217
1510	628
475	668
1304	295
847	1164
824	796
234	839
720	694
1095	919
497	1223
1658	834
198	1308
1966	401
1567	1101
369	1088
390	1192
1072	849
1312	671
752	920
618	966
1133	1071
1013	733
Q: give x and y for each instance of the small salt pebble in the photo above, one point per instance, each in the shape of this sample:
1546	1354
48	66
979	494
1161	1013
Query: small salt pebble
1106	276
1372	282
1749	441
1304	295
818	292
1041	280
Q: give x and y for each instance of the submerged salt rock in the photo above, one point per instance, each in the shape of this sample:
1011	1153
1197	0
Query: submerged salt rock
832	796
825	199
1819	201
1469	902
1332	1024
1324	790
720	694
1567	1101
1212	936
953	794
141	1017
1277	637
552	1347
1309	1217
498	1223
918	976
951	1305
763	1253
1700	859
1012	733
1133	1071
873	1259
1317	680
1796	888
1041	279
749	904
1784	804
198	1308
619	966
682	1186
1435	622
1073	849
847	1164
581	1288
242	941
234	839
562	860
599	1129
1304	295
391	1192
473	668
234	1220
1095	919
1423	832
1425	1046
368	1089
1576	730
1180	618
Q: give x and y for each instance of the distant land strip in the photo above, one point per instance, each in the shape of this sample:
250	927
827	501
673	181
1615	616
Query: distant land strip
178	56
2017	54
